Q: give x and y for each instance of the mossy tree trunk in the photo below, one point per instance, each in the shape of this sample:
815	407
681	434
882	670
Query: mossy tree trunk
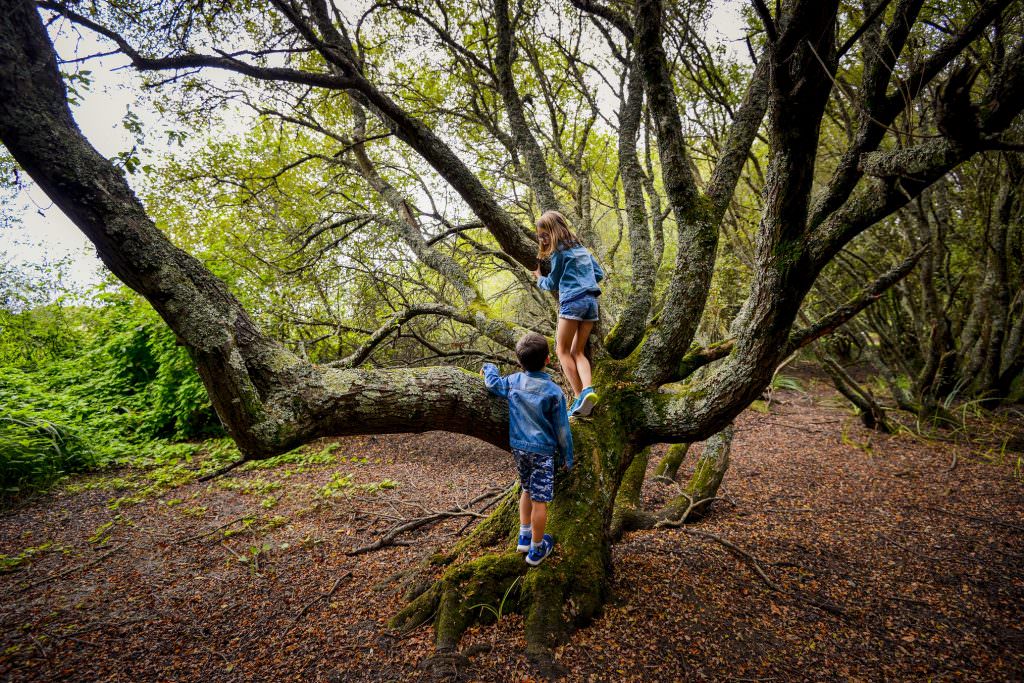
568	589
669	465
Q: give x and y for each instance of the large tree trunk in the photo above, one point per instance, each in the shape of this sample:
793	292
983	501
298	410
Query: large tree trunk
568	588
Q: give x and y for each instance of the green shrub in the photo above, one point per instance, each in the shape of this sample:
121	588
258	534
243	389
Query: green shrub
113	386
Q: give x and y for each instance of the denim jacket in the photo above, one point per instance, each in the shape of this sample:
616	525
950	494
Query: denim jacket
537	418
574	272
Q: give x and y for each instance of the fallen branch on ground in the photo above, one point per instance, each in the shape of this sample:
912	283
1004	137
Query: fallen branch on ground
72	570
752	561
222	470
323	596
390	536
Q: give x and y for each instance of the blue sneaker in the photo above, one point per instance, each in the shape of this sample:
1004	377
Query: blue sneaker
539	552
523	544
572	406
584	405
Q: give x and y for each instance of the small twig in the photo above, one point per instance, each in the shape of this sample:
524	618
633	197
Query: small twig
739	552
204	534
829	607
233	552
988	520
222	470
389	538
72	570
492	502
681	520
323	596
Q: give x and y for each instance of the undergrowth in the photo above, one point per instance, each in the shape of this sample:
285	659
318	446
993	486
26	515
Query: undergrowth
86	388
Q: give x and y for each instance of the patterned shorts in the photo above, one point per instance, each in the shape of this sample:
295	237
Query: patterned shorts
580	308
536	474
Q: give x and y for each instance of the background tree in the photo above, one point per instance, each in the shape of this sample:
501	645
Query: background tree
514	90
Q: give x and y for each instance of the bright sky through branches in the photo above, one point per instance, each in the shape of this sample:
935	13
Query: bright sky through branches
40	230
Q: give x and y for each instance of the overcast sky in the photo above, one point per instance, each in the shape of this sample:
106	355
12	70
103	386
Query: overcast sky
44	232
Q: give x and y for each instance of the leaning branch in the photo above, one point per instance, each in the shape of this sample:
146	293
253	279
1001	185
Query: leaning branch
699	357
867	296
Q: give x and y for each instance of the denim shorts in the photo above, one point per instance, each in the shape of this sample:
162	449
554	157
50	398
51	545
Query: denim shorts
579	308
536	474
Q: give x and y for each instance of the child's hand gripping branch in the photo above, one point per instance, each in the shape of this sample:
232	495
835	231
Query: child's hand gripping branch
574	275
538	428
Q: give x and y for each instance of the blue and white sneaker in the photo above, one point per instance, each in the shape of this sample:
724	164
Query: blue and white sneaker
584	405
574	405
523	544
539	552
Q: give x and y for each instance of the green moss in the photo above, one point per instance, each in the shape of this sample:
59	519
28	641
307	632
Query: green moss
279	359
10	563
669	465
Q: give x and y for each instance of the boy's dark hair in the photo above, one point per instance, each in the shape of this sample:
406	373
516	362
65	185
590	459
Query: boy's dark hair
532	351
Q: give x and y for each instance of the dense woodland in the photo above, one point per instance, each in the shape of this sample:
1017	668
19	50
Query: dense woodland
849	192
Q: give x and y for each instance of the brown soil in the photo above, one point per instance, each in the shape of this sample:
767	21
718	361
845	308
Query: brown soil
892	564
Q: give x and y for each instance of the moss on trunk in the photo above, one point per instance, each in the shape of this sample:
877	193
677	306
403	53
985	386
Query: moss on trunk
569	588
669	464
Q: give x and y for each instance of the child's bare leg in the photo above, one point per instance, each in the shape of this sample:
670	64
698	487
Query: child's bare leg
563	349
525	509
579	344
539	519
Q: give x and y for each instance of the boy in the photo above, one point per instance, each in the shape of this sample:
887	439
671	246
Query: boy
538	429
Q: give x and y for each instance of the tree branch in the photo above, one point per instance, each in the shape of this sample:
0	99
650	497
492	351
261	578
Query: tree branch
224	61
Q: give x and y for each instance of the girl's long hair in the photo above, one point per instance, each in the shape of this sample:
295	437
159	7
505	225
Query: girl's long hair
553	232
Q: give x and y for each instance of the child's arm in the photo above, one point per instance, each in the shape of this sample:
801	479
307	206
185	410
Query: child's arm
598	271
496	384
550	282
562	429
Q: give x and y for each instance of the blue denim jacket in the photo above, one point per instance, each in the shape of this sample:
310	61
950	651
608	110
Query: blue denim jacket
574	272
537	418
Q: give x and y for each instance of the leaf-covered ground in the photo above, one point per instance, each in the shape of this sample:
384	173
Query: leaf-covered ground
892	558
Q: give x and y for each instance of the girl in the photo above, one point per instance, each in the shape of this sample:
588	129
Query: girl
574	275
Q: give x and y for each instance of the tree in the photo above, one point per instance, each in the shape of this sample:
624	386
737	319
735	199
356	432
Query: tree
657	384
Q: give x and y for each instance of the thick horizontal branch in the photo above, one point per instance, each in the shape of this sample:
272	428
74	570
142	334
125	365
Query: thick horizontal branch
911	162
268	399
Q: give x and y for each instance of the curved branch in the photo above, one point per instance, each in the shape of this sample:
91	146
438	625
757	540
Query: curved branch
498	332
608	14
628	333
415	133
697	233
879	109
536	166
699	357
223	61
268	399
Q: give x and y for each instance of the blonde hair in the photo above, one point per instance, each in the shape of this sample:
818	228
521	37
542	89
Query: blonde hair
553	231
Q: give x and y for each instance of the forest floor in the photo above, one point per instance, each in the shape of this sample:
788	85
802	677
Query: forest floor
893	558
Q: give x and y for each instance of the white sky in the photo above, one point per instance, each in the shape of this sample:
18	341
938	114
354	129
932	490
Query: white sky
44	232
